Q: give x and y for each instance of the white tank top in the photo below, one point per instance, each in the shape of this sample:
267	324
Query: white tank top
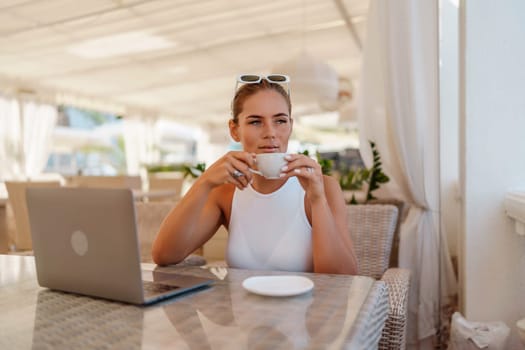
270	231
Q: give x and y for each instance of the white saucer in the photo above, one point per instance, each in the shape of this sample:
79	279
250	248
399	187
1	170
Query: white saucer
278	286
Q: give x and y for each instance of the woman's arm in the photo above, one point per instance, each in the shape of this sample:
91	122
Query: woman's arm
187	226
332	246
199	214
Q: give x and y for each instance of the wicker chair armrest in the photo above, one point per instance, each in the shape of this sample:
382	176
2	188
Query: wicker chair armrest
394	333
398	282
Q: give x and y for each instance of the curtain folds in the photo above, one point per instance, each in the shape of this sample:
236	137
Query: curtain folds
25	137
10	138
39	122
398	108
141	140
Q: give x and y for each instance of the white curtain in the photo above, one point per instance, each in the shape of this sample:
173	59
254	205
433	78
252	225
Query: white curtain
10	139
39	122
398	109
25	138
140	140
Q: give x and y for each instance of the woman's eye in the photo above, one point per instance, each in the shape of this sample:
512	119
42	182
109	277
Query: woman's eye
282	121
254	122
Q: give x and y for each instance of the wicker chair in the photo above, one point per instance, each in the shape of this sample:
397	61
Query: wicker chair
372	229
162	182
21	241
119	181
149	218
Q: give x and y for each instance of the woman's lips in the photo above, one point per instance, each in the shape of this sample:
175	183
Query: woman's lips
270	149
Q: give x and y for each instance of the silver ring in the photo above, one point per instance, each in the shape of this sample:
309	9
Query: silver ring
310	169
236	173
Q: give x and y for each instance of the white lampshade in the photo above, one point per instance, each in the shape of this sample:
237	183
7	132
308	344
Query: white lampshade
311	79
347	113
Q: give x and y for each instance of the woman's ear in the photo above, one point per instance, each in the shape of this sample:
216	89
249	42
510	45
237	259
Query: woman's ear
234	130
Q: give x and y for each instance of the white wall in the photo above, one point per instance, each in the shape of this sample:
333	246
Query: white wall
492	158
448	104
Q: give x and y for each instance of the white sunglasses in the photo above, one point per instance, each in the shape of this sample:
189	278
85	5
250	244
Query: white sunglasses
271	78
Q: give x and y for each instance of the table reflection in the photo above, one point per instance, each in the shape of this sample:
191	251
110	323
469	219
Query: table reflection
70	321
235	317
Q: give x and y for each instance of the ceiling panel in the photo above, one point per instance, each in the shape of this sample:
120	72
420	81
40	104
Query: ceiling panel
213	41
11	23
50	11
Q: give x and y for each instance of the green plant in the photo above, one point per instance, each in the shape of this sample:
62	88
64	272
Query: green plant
354	179
326	164
193	171
187	170
377	176
165	168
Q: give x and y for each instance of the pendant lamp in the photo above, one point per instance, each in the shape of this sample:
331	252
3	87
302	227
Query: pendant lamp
311	79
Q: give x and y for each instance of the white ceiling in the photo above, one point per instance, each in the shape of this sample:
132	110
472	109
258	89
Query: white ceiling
206	44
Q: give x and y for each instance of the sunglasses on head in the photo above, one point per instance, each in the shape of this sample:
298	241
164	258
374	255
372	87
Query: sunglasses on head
271	78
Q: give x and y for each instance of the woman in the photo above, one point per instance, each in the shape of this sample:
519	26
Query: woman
294	223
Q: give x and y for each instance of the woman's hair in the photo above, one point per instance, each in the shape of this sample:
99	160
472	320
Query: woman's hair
248	90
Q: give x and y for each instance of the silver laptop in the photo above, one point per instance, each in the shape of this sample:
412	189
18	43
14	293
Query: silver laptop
85	241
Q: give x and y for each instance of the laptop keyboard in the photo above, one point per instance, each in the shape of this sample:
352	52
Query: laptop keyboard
153	288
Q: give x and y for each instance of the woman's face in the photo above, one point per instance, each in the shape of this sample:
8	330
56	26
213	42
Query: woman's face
264	125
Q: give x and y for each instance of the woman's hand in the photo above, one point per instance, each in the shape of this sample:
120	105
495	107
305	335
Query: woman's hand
309	173
332	247
232	168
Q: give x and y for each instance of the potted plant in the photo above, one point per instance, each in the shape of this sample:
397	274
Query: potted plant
353	180
193	172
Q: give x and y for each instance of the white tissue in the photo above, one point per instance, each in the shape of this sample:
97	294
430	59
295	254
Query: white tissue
467	335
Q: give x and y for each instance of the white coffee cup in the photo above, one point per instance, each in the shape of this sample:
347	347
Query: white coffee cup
269	164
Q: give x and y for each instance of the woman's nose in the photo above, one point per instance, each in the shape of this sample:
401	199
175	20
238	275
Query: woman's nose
269	131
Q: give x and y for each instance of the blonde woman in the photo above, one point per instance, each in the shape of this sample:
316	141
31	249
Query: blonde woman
294	223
